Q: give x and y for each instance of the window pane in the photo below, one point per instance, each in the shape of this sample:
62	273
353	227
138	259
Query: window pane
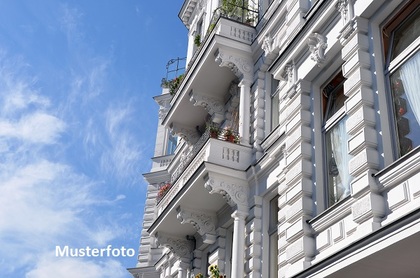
172	142
275	104
405	84
337	162
406	33
333	96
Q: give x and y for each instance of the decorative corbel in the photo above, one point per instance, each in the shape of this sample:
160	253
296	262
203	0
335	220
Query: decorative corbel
204	223
317	45
182	248
267	44
214	106
240	66
190	135
235	193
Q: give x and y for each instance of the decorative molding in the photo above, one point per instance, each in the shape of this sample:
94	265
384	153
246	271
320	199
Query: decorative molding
182	248
267	45
190	135
342	7
356	24
204	223
214	106
240	66
317	45
235	193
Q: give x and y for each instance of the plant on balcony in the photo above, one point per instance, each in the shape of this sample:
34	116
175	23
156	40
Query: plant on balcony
230	136
214	273
232	8
173	84
214	130
163	189
197	40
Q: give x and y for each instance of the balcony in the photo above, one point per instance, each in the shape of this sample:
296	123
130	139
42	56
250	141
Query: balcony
188	190
224	57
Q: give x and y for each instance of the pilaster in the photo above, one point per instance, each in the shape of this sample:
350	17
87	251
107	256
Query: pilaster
361	124
253	251
296	204
258	114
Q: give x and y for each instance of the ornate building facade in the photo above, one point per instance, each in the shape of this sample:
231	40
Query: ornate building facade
290	145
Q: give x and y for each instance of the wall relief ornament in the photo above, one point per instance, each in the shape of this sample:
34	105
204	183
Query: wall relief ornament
317	45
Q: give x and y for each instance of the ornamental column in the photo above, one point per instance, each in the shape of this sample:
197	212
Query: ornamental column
242	67
236	193
238	245
244	111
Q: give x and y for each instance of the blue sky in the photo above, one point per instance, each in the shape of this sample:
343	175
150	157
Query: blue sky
77	128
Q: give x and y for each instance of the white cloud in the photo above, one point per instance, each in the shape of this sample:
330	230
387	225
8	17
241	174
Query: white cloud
49	266
38	127
124	153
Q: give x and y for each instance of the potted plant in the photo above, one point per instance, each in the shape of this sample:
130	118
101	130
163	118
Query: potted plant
228	134
163	189
197	40
174	84
214	130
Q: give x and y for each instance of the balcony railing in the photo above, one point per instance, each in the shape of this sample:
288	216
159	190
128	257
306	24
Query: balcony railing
243	11
215	151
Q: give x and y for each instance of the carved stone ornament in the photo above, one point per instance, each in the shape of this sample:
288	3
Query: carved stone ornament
342	7
181	248
234	193
214	106
240	66
267	45
203	222
317	45
163	107
190	135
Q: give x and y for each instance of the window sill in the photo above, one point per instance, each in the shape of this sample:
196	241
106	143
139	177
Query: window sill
332	215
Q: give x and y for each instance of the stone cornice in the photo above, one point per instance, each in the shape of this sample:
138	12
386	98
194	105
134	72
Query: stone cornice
204	223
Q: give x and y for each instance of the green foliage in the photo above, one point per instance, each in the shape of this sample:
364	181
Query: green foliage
197	40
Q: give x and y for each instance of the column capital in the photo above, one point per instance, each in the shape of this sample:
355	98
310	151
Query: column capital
239	214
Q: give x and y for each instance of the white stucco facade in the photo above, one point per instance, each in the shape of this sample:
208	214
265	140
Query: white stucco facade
323	177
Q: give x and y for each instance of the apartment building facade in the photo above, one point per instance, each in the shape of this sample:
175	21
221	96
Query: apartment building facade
289	147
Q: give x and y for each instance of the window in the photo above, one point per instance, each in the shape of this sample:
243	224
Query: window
275	103
172	142
335	136
273	237
402	43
